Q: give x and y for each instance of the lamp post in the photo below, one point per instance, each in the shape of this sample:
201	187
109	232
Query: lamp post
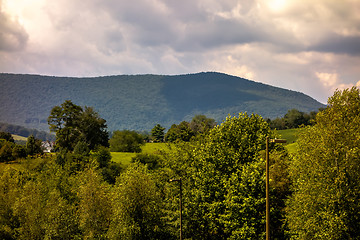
267	184
179	180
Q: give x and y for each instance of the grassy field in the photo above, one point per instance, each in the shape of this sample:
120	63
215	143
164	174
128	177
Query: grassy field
149	148
154	148
19	138
289	134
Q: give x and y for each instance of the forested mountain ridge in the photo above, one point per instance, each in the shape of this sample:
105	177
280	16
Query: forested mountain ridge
138	102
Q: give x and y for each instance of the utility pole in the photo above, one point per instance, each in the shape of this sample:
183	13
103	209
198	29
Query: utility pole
180	184
268	185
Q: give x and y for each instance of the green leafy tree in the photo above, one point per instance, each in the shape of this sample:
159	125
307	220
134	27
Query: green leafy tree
172	134
277	123
221	185
19	151
202	124
137	207
11	181
150	160
103	156
326	173
6	150
7	136
64	121
33	145
73	124
223	178
181	132
28	209
157	133
94	206
126	141
93	129
294	118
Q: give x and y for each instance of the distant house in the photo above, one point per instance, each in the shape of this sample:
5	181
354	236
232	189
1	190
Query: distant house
47	146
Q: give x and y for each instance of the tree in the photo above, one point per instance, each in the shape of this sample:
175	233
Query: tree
73	124
201	124
172	134
224	180
7	136
19	151
6	149
181	132
137	207
126	141
326	173
294	118
93	129
157	133
33	145
103	156
150	160
95	205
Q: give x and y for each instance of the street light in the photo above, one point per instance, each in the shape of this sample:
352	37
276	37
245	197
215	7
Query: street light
267	184
179	180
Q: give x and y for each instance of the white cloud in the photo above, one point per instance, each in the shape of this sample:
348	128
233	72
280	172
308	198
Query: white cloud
332	81
328	79
358	84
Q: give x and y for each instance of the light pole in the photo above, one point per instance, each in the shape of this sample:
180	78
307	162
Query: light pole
267	184
179	180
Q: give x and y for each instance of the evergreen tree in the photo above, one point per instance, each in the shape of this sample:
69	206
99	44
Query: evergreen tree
157	133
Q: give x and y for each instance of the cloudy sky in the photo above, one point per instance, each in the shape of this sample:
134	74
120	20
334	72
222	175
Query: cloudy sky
312	46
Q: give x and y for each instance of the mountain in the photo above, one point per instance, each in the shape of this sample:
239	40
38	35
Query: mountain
138	102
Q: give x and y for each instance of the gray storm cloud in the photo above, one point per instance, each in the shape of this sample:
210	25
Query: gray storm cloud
283	43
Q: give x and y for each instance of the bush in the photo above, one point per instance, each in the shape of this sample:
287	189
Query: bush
150	160
126	141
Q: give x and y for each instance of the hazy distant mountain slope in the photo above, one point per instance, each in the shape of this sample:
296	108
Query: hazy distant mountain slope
140	101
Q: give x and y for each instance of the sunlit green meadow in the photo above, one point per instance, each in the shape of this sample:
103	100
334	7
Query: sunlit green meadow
149	148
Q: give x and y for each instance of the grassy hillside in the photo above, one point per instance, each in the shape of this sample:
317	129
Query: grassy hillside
139	102
149	148
289	134
23	132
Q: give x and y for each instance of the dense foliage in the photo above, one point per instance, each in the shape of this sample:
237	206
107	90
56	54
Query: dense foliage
326	173
80	193
223	178
293	119
10	151
223	174
126	141
185	131
74	125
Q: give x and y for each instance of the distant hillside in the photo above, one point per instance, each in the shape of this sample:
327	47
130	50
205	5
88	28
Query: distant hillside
138	102
25	132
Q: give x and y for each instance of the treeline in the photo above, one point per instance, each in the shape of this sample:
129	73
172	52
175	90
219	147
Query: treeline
78	195
25	132
131	141
293	119
10	151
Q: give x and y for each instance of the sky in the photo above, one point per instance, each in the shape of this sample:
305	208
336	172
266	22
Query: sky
310	46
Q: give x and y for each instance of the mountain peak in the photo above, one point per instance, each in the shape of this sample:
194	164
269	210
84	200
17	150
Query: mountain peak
139	102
